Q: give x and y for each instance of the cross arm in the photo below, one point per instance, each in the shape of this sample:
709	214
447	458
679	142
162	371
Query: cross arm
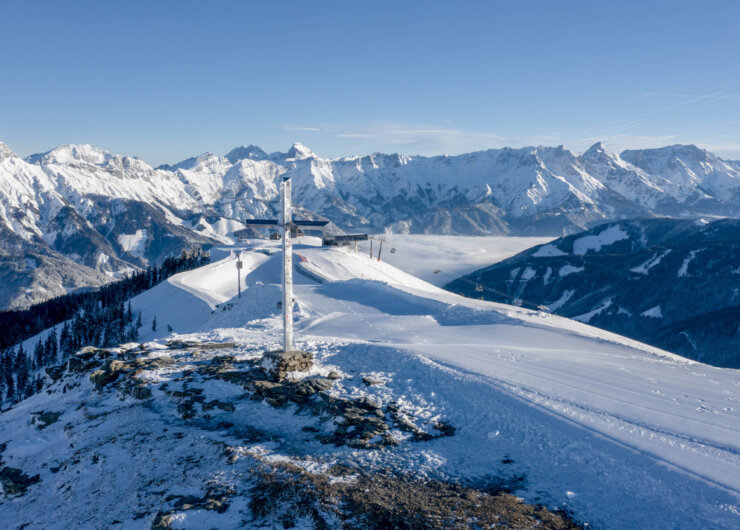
311	225
262	223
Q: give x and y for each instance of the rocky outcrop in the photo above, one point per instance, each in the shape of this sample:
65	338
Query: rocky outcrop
278	364
44	419
15	481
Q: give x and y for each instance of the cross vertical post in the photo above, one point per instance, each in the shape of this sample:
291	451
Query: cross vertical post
286	227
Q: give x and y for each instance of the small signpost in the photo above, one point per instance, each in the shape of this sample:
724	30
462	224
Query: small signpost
239	266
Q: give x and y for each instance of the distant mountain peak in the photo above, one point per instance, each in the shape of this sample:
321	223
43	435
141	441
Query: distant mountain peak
205	159
251	152
71	153
597	148
298	150
673	150
5	151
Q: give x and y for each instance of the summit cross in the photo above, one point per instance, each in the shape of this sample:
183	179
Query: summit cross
287	227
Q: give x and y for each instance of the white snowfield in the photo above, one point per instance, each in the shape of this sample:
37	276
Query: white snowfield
441	259
621	434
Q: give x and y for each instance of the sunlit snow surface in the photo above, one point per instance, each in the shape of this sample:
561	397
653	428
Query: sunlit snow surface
621	434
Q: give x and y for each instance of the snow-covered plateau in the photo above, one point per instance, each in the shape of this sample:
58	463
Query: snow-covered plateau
78	210
616	433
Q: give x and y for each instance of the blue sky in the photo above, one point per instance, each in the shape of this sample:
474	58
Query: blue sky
170	79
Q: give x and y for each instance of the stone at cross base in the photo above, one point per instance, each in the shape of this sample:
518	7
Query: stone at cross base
278	364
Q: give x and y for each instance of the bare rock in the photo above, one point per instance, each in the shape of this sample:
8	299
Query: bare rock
79	363
138	391
368	381
15	481
223	405
55	372
278	364
109	373
445	428
44	419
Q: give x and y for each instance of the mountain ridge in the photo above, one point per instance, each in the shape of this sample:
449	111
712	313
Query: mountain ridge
113	213
671	283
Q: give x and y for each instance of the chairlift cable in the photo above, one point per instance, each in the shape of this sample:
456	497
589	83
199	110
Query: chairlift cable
507	295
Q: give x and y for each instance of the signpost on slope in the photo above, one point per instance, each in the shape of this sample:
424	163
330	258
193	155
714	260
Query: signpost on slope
287	228
239	266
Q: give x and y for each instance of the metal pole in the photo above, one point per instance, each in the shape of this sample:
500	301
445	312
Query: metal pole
287	268
239	272
380	249
371	248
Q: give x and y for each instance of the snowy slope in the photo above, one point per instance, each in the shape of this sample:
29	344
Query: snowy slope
666	409
618	433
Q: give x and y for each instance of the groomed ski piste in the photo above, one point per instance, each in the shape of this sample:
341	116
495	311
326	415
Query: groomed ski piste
616	433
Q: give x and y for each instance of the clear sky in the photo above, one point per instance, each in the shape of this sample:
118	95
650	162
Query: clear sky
166	80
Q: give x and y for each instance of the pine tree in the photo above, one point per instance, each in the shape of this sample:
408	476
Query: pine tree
2	376
132	334
54	343
7	368
47	350
129	313
65	345
21	371
39	354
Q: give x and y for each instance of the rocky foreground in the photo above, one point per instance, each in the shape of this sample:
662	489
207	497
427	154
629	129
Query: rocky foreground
193	434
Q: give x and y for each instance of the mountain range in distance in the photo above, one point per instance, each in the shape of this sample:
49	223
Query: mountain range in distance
78	216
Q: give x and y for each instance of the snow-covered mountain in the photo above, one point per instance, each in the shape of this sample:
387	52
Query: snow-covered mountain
109	213
186	431
671	283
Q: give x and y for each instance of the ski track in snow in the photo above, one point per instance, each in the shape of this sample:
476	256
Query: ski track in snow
621	434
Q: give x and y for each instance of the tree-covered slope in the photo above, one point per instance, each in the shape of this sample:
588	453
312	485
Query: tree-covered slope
671	283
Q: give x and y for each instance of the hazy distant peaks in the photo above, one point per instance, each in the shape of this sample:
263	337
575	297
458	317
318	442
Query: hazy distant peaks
253	152
595	150
298	150
71	153
250	152
5	151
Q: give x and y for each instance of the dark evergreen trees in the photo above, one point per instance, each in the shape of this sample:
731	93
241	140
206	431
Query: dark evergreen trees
18	326
100	318
22	371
